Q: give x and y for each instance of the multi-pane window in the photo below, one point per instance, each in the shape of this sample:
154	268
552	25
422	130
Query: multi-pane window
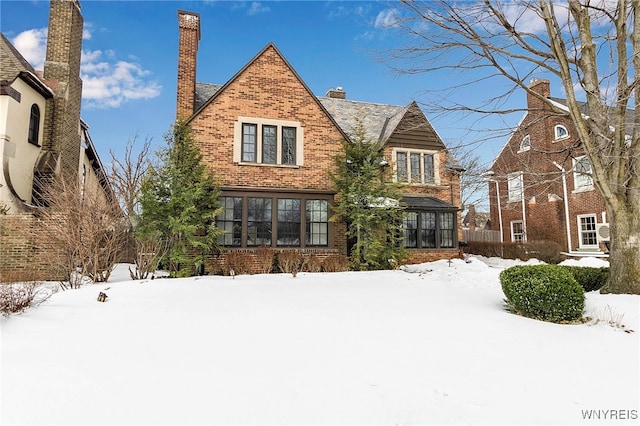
229	220
288	222
267	221
525	144
401	164
415	166
447	228
517	231
587	231
266	141
582	173
34	124
410	229
249	143
317	222
561	132
288	145
515	186
428	229
269	144
259	221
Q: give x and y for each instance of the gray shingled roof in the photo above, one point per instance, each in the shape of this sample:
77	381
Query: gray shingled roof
204	92
379	120
12	61
584	109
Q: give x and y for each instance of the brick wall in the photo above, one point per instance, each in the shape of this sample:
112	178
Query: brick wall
189	25
18	255
543	186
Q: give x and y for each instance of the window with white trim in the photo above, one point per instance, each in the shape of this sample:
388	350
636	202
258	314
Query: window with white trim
560	132
525	144
587	237
517	231
416	166
515	186
268	142
582	179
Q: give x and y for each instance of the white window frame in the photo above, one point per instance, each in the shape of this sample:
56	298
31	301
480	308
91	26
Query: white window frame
525	144
422	153
556	128
260	122
593	231
522	234
512	179
582	181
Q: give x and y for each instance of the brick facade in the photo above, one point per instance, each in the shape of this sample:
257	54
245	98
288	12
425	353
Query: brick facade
267	90
541	166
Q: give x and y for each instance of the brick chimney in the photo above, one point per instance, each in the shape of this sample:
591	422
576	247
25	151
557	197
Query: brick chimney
541	87
62	68
336	93
189	29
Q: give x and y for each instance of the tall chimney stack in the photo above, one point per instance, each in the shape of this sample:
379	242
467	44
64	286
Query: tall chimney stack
189	28
62	66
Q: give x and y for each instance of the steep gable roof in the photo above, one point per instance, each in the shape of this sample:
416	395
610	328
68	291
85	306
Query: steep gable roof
203	89
12	61
13	65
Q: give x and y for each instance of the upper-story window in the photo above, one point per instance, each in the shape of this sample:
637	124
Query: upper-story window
516	186
34	125
416	166
582	179
265	141
560	132
525	144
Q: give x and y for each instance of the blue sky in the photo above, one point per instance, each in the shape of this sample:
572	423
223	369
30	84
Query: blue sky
130	57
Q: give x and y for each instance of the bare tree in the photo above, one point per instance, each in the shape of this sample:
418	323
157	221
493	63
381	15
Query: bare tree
592	47
80	233
126	176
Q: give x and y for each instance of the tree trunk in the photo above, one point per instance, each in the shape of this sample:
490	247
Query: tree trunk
624	255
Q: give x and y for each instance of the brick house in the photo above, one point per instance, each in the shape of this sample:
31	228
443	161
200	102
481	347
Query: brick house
41	132
272	144
542	177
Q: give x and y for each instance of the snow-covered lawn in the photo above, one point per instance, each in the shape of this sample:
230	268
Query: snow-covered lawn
430	344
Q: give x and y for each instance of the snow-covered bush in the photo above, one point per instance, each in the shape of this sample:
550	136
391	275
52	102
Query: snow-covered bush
545	292
589	278
16	297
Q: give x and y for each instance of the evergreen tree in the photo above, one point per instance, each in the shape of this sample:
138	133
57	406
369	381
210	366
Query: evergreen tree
369	204
179	201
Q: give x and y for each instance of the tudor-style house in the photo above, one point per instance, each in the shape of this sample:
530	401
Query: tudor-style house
272	144
41	132
540	185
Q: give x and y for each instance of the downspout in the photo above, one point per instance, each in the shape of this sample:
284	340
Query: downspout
566	204
524	213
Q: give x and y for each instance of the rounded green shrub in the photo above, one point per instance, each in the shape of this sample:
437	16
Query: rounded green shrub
545	292
589	278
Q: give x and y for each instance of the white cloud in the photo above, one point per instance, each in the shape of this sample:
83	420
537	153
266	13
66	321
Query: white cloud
387	18
32	44
107	82
257	7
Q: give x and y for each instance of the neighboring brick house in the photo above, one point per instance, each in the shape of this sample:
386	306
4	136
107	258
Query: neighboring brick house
272	144
41	133
544	181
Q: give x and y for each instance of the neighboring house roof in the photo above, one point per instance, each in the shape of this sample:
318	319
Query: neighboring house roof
584	109
12	61
13	65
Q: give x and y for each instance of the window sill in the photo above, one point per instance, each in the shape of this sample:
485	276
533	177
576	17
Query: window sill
34	144
282	166
520	151
564	138
581	190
